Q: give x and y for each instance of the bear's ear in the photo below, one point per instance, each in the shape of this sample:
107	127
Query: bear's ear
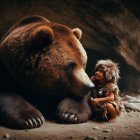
42	36
77	32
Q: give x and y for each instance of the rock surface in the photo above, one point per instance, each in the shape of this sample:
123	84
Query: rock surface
131	103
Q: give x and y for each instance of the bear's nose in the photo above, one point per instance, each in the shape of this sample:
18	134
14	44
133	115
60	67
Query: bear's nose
89	86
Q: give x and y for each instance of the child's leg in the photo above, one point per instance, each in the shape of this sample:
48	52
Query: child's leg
111	112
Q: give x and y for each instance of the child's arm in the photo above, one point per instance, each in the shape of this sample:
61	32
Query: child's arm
109	98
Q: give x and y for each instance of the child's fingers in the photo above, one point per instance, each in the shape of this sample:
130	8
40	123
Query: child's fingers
91	98
91	101
94	101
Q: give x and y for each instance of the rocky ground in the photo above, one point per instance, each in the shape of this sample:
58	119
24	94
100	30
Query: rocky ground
127	127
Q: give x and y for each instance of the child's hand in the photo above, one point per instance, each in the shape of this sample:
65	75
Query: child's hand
94	101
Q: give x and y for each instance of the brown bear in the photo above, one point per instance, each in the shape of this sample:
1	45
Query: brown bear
44	74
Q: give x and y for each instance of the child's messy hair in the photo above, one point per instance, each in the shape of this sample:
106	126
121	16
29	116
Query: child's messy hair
111	70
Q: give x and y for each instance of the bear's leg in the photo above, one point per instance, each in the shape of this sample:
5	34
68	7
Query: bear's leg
15	112
74	111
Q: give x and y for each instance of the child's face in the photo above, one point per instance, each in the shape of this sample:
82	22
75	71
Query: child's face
99	74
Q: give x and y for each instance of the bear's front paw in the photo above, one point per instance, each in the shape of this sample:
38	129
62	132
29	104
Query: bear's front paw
27	118
23	116
15	112
73	111
68	117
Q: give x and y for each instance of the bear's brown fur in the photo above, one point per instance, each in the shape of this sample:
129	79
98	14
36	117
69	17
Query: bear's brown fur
45	58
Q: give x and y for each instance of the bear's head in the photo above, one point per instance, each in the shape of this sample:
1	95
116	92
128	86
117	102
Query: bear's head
46	56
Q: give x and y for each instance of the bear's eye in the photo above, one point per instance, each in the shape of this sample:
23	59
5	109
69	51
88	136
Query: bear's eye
71	66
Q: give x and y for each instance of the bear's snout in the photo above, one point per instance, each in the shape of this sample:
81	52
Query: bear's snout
82	82
89	86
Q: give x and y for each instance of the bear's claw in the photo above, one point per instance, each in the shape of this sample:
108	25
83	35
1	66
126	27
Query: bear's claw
68	117
29	119
34	122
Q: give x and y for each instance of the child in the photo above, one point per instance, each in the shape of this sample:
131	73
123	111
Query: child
104	97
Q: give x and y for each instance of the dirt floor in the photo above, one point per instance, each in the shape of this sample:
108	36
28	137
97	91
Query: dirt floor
127	127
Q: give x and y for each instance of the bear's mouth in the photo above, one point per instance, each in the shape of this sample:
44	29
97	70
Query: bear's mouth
82	92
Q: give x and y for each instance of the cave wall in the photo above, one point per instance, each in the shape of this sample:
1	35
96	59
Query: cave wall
111	29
